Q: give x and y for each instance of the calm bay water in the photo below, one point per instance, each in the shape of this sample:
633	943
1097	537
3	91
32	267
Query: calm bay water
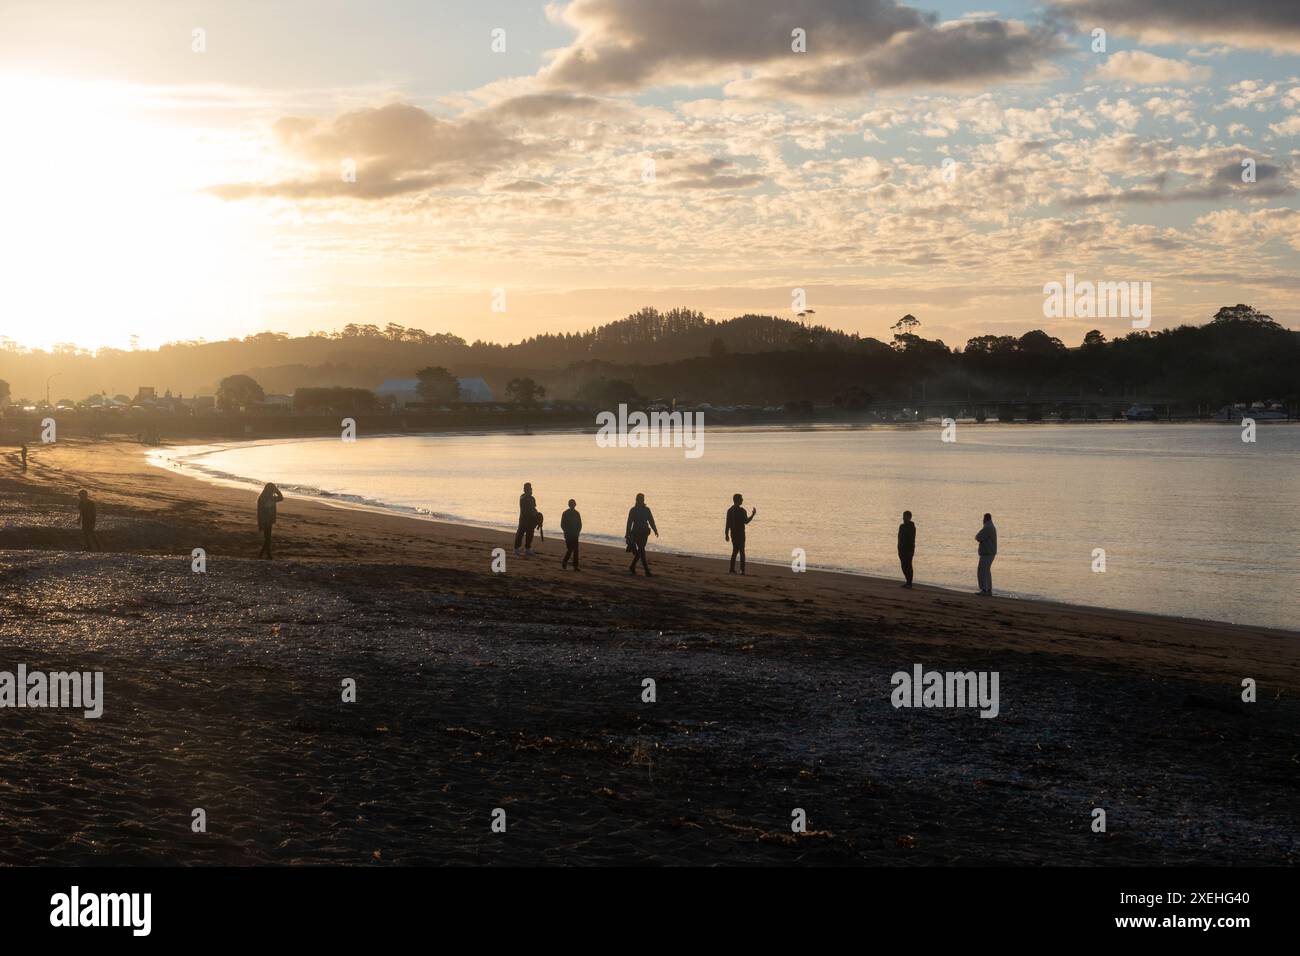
1194	522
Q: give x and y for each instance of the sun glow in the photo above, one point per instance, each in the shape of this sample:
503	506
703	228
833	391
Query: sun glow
106	231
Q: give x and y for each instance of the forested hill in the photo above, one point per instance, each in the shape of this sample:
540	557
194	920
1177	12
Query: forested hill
363	355
651	336
1240	353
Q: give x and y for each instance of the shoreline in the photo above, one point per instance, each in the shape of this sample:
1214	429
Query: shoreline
129	460
155	456
240	430
523	690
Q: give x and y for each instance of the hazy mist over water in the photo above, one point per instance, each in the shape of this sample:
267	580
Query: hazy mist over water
1194	522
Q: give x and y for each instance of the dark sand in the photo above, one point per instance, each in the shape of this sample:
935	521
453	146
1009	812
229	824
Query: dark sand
523	691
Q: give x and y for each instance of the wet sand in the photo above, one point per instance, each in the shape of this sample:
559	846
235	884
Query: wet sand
522	691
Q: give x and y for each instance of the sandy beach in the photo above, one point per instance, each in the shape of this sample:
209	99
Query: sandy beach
523	691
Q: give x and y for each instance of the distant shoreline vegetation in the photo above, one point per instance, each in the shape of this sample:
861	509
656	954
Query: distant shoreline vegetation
750	367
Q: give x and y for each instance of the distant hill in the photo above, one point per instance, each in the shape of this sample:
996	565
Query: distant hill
364	355
1240	354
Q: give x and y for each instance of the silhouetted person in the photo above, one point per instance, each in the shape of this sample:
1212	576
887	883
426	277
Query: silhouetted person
640	522
988	539
527	520
24	453
87	509
906	546
735	532
266	502
571	525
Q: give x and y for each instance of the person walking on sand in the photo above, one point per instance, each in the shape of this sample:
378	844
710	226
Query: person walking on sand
24	454
571	525
988	539
735	532
266	502
640	522
906	546
527	521
87	509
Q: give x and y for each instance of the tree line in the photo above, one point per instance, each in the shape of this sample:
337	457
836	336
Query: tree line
1239	354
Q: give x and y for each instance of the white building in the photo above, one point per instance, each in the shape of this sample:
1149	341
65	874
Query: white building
405	390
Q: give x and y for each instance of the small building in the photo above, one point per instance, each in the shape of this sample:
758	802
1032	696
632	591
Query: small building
474	390
404	390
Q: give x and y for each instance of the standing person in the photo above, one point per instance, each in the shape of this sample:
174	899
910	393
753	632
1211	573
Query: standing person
88	515
988	539
24	456
266	502
906	546
527	520
640	522
571	525
735	532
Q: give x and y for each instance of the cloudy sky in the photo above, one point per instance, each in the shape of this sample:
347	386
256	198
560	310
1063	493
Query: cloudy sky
181	170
